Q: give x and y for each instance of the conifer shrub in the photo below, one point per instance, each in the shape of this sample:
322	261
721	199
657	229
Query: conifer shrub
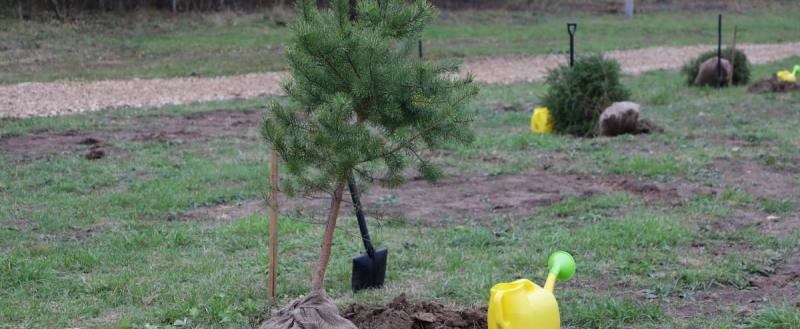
577	95
741	66
362	103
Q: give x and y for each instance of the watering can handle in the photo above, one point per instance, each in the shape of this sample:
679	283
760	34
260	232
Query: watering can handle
497	300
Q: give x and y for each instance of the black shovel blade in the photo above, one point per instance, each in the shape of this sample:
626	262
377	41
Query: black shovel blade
369	272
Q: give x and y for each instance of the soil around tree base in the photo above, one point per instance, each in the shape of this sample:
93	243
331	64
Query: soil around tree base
402	314
773	85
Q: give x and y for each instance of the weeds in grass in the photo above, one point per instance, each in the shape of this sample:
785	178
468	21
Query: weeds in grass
777	317
610	313
777	206
650	166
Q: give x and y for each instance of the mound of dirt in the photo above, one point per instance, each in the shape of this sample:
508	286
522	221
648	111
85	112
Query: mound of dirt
95	153
400	314
773	85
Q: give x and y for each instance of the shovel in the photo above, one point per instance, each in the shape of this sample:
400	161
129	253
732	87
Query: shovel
369	269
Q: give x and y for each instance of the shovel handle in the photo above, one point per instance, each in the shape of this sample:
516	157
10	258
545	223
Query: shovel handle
571	28
362	221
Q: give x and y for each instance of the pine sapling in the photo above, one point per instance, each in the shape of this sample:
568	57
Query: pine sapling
360	101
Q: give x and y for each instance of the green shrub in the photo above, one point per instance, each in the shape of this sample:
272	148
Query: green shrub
741	66
576	96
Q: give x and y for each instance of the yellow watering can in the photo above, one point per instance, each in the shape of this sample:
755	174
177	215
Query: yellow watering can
524	305
789	76
541	121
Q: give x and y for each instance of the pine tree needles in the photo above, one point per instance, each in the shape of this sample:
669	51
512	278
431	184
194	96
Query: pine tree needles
577	95
361	100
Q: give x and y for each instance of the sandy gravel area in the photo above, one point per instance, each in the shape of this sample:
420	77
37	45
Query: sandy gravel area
512	69
65	97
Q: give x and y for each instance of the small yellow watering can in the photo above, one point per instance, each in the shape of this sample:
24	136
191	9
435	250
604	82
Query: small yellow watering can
541	121
524	305
789	76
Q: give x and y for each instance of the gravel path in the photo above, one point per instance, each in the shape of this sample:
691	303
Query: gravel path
65	97
511	69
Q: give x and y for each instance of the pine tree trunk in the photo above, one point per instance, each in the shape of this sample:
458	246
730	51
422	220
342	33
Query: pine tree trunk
318	281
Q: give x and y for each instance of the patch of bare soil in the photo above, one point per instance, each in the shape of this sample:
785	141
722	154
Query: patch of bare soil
65	97
781	224
773	85
774	225
16	224
780	287
757	180
401	314
778	282
469	197
229	211
177	129
760	182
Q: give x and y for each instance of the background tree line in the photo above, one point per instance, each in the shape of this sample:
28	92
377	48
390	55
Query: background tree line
27	9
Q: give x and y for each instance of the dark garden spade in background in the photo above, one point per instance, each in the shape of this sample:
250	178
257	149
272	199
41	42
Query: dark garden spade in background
369	269
571	28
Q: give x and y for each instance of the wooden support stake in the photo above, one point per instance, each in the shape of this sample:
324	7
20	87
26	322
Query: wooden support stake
273	226
733	57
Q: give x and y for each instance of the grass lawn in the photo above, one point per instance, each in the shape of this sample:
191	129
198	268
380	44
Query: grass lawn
155	45
675	230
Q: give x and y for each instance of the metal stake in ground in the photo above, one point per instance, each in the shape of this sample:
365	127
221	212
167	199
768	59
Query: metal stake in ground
571	28
369	270
419	44
733	57
719	53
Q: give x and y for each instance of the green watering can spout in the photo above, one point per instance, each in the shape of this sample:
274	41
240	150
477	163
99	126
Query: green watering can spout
561	267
